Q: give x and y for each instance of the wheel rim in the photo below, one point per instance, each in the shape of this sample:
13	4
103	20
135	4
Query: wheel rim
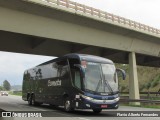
67	105
32	102
29	101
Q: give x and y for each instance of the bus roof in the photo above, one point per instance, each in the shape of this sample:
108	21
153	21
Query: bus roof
82	57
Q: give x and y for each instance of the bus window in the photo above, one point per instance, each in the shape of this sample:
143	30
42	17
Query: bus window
62	68
77	80
64	71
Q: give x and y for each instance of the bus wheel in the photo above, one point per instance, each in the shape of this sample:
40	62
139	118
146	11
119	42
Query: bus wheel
67	105
35	103
30	100
97	110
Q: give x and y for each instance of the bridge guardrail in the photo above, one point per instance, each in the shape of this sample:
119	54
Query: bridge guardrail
143	100
142	93
140	100
101	14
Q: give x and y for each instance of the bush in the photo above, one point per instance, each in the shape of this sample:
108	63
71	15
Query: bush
123	88
158	78
1	88
148	85
141	87
154	83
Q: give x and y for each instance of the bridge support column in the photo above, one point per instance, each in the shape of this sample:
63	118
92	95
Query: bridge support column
133	79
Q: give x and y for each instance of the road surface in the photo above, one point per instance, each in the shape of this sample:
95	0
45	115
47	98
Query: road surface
15	103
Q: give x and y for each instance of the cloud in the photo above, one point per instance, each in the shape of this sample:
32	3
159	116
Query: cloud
12	65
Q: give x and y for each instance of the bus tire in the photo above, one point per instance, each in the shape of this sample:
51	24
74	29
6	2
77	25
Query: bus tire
97	110
30	100
67	105
35	103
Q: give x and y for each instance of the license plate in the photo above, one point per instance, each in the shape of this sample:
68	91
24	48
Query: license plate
104	106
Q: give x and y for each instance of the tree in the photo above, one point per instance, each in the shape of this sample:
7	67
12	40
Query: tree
1	88
6	85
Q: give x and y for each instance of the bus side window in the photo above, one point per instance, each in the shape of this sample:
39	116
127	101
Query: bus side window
62	67
77	80
64	71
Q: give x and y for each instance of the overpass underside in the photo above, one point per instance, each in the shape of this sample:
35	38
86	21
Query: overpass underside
21	43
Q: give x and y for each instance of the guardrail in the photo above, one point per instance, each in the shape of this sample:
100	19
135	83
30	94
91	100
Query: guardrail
144	99
101	14
140	100
142	93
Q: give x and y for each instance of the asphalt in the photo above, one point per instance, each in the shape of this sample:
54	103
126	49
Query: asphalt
16	104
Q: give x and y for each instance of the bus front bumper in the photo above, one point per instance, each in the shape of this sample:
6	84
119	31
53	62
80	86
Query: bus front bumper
85	103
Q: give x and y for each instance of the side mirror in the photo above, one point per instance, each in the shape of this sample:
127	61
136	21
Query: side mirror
82	71
118	70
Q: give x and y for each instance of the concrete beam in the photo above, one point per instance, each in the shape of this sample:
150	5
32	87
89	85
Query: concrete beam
91	50
133	79
36	42
20	25
76	48
59	29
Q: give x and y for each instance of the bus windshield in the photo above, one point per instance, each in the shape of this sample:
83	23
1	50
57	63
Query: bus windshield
100	78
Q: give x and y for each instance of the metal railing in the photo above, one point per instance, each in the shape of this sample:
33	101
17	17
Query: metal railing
140	100
144	99
101	14
142	93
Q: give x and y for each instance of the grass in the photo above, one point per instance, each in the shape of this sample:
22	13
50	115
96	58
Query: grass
151	97
155	98
17	93
152	106
145	105
146	75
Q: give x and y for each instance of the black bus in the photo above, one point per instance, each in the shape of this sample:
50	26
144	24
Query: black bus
75	81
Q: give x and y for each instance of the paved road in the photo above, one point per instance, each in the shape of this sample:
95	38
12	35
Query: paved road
15	103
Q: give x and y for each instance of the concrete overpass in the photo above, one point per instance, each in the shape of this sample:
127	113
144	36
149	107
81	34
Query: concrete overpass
57	27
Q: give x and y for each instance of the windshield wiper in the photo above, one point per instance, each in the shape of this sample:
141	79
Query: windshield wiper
107	84
98	86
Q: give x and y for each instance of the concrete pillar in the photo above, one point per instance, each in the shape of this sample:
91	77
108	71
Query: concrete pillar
133	79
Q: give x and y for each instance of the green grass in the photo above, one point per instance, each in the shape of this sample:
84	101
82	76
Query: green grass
151	97
148	77
17	94
158	98
152	106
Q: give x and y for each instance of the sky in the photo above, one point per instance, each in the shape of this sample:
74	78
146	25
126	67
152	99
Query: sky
13	65
144	11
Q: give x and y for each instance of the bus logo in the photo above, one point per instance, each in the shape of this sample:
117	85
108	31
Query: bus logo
54	83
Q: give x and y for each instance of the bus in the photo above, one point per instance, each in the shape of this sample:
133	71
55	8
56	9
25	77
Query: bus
75	81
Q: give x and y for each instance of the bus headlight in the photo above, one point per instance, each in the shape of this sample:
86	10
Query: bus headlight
117	99
99	101
86	97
